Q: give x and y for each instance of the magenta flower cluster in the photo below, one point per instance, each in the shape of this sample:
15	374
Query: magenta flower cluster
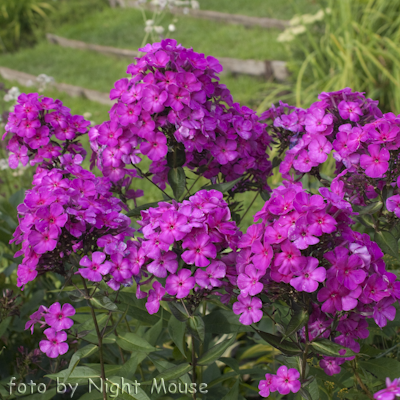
285	381
58	321
174	102
304	242
183	243
37	123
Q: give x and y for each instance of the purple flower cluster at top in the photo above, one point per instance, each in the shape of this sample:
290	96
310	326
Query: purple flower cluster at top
194	232
174	102
352	128
285	381
304	242
57	320
35	122
391	391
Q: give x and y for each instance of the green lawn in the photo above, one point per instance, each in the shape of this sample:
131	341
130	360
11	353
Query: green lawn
262	8
124	28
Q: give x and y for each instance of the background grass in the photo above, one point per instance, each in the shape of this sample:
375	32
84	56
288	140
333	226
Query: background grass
124	28
261	8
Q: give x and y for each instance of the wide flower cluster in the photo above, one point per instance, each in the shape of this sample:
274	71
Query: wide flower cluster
174	104
38	124
56	317
304	243
183	243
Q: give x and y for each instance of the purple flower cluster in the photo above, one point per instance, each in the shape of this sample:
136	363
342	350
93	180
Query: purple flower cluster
391	391
174	103
183	243
352	128
38	123
68	210
304	242
285	381
58	320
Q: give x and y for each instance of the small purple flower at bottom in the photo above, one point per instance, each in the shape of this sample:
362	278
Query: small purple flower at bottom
286	380
155	296
266	386
57	317
55	343
392	390
250	308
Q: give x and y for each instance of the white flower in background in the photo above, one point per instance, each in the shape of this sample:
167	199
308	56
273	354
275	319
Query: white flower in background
3	164
159	29
195	5
12	94
171	27
149	22
43	81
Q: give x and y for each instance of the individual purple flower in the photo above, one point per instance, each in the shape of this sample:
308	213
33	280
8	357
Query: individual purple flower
155	296
263	254
248	282
391	391
156	146
393	204
180	284
52	216
331	296
307	278
17	156
286	380
290	258
322	222
377	163
319	148
57	317
303	162
350	110
303	234
95	268
55	344
174	226
153	101
249	308
199	248
224	150
331	365
42	242
384	311
266	386
317	121
35	318
350	273
211	276
166	262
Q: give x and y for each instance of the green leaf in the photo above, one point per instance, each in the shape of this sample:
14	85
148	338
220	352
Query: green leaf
284	346
178	311
163	365
49	394
314	390
224	321
76	357
233	393
128	369
177	180
135	392
387	242
196	327
154	332
223	187
136	211
216	351
176	331
78	375
104	302
369	209
132	342
176	158
172	373
328	348
305	394
265	195
17	198
298	320
367	221
4	325
382	368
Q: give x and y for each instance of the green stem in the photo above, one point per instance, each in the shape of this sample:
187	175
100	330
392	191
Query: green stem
100	340
360	382
144	176
193	366
248	208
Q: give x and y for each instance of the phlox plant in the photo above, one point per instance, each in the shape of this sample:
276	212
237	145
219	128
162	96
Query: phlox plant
182	288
